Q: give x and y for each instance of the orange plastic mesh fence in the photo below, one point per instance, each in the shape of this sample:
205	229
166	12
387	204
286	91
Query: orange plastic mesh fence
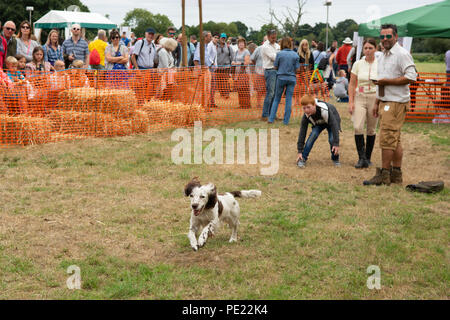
77	103
430	98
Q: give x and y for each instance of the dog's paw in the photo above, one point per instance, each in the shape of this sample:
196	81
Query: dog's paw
232	240
201	241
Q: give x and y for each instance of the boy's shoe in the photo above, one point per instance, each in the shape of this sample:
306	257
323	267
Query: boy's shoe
301	164
336	163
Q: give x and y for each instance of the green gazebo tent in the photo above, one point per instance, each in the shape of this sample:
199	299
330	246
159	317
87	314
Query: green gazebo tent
430	21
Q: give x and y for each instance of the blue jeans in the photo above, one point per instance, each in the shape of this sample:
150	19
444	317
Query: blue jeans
289	85
316	130
212	102
271	78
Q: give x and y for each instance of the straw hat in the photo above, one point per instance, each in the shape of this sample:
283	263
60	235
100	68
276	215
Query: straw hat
347	41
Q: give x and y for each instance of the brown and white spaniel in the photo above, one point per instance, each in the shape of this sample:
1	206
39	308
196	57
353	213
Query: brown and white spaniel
209	210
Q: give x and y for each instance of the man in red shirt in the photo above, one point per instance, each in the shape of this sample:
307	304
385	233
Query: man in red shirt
342	53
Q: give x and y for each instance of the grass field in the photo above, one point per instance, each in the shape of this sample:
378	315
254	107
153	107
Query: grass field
431	67
115	208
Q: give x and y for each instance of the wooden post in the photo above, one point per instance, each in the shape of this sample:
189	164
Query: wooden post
202	53
183	10
202	40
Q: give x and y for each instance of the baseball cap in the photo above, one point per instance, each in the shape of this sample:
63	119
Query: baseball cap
223	35
150	30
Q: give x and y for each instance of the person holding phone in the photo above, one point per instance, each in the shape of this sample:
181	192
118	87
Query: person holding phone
75	47
362	94
396	70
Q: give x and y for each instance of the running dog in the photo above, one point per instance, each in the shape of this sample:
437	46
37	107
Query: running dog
209	210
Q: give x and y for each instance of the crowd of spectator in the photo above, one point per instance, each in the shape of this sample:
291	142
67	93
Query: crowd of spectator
235	64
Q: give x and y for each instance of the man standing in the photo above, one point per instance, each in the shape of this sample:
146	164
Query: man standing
75	48
208	37
259	82
11	43
342	53
269	53
396	70
125	40
144	51
224	57
99	46
191	46
171	32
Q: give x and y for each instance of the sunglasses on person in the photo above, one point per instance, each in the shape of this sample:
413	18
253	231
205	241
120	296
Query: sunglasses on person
385	36
25	27
172	33
115	37
75	29
10	29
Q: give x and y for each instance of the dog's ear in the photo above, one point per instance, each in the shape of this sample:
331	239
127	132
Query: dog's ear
191	185
212	196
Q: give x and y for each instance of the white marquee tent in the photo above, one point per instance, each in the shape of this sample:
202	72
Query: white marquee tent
64	19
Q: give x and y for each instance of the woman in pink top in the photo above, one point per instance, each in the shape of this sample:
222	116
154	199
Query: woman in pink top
38	63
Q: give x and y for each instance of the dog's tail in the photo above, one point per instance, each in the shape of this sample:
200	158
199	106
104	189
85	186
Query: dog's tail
246	193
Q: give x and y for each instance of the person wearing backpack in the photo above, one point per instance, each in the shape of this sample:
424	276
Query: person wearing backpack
322	54
97	51
328	71
144	54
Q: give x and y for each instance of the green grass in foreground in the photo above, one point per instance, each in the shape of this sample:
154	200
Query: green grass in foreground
438	67
120	216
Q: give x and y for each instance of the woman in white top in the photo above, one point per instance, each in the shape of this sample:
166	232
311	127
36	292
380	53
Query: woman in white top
166	66
25	45
165	53
362	95
116	62
116	54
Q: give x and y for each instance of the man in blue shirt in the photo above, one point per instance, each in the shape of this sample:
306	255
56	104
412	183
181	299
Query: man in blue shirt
144	51
75	48
124	39
287	62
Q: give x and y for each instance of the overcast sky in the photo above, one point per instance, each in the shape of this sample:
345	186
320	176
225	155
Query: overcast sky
254	13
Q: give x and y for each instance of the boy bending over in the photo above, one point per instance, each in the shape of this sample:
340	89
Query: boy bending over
322	116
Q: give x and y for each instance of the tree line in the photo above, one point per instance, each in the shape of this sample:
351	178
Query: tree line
140	19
